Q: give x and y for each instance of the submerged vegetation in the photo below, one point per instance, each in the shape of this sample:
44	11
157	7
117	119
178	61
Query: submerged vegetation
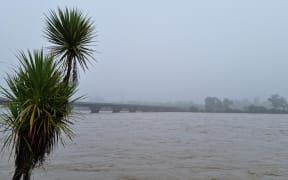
39	92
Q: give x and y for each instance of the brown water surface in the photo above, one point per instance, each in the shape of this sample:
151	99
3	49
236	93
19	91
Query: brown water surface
169	146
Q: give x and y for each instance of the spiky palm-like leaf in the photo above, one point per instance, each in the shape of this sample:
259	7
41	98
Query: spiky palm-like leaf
71	34
39	104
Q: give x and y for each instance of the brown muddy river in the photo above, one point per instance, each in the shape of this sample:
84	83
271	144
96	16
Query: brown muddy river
168	146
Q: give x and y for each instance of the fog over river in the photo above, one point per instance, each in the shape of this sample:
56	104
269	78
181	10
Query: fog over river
168	146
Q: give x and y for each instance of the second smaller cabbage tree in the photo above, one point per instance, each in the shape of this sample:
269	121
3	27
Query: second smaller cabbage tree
71	35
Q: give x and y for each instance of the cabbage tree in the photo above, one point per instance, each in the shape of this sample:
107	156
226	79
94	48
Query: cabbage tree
39	107
71	35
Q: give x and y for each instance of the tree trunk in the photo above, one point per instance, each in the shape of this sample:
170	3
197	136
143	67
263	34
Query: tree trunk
17	174
27	175
69	67
23	161
75	72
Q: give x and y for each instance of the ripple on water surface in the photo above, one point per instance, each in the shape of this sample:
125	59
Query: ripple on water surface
150	146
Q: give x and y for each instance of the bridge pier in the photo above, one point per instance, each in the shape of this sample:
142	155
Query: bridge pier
116	109
132	109
144	109
95	109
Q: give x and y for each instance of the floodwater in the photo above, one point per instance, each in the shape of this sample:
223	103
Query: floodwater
168	146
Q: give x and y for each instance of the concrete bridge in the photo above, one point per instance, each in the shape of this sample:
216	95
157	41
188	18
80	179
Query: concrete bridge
117	107
95	107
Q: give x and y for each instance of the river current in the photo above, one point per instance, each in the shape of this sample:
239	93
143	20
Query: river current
168	146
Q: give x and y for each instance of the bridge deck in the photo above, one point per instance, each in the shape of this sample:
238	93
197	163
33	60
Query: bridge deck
95	107
117	107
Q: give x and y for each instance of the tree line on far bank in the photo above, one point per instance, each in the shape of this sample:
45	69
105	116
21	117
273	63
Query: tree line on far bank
274	104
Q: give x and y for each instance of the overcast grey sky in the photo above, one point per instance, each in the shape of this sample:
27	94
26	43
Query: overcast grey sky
161	50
